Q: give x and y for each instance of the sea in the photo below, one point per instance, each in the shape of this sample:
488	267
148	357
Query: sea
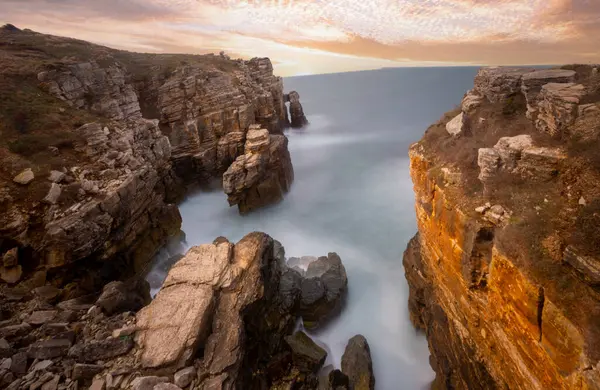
353	195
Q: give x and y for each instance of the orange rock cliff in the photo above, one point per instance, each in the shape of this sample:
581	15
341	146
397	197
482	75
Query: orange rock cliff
504	272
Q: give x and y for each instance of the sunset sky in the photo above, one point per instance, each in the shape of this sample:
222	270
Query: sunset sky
321	36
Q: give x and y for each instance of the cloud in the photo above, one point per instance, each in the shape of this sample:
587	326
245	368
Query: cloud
311	35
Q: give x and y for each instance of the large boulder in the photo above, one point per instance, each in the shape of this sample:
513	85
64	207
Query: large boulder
306	354
357	364
118	297
323	290
221	298
262	175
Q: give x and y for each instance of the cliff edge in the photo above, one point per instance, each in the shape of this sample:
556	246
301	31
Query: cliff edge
98	145
504	272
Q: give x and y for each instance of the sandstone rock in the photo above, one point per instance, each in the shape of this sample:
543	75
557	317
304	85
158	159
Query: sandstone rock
42	317
179	318
498	83
24	177
126	331
533	82
297	117
52	384
53	194
457	125
230	147
49	349
147	382
56	176
47	293
582	201
541	162
307	355
92	351
357	364
118	297
557	107
86	371
262	175
184	377
471	101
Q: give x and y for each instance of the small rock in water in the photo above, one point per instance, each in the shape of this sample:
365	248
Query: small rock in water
357	364
307	355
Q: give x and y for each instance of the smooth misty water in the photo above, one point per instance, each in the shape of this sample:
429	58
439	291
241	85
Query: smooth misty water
352	194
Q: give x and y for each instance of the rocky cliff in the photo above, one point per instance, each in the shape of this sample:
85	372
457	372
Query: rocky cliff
504	272
98	145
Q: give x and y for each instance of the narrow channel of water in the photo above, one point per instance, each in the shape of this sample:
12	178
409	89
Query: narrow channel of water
352	195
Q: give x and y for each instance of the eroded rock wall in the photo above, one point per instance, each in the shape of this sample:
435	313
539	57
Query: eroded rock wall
501	298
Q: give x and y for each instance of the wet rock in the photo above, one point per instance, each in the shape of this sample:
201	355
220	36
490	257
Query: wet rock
306	354
298	119
19	363
323	290
147	382
42	317
53	194
262	175
93	351
86	371
56	176
335	380
357	364
24	177
49	349
118	297
184	377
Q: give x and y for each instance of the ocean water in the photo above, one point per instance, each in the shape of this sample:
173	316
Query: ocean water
352	195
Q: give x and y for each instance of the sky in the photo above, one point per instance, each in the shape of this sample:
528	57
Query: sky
324	36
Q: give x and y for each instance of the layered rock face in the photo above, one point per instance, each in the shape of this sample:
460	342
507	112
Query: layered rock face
100	144
262	174
503	272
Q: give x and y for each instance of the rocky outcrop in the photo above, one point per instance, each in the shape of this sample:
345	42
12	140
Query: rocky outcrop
89	86
262	175
357	364
297	117
503	277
